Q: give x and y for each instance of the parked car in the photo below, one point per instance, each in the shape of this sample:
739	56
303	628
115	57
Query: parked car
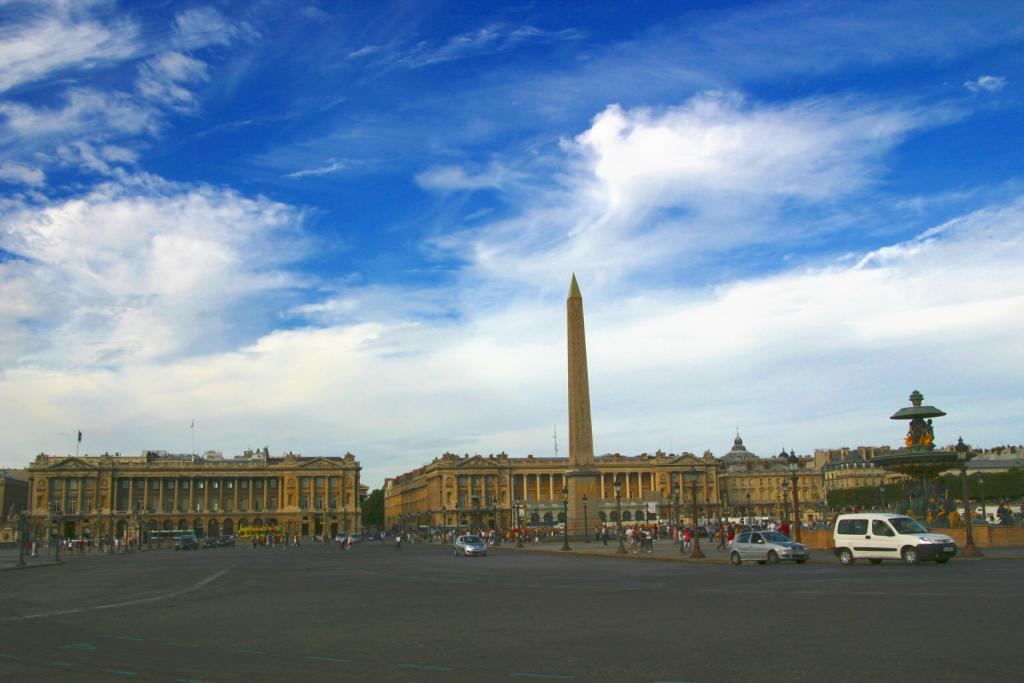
470	545
877	536
767	547
227	540
186	543
210	542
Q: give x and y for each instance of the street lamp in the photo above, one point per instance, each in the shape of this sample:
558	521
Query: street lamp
678	510
963	454
794	464
748	508
981	485
785	501
618	513
565	508
476	512
693	476
519	524
881	490
586	534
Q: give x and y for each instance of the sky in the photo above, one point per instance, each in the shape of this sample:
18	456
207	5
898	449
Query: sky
331	227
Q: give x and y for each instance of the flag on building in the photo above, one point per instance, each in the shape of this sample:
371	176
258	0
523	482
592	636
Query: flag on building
79	437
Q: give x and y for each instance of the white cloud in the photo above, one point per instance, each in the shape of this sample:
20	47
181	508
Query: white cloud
204	27
645	188
142	269
20	173
84	110
455	178
986	83
57	38
164	79
333	166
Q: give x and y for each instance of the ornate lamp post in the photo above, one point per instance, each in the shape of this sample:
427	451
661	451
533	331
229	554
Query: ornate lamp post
565	513
881	490
748	508
586	533
693	476
519	524
963	454
476	512
981	484
794	464
618	513
678	510
785	500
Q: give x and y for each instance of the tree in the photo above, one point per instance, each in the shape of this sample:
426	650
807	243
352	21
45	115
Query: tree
373	509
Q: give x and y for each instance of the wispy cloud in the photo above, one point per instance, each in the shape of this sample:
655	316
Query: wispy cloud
165	78
986	83
332	167
204	26
21	174
490	39
56	36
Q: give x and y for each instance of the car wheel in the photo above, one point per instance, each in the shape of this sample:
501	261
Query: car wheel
800	561
762	561
875	561
846	557
773	557
909	555
941	560
736	559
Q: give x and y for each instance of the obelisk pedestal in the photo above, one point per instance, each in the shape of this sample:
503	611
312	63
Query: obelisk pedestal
582	475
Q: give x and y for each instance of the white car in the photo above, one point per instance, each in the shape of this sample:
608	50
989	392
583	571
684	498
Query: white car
877	536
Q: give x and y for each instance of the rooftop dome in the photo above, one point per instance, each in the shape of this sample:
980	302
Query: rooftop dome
739	452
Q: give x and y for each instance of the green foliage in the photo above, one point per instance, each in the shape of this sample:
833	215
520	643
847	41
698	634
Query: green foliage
998	486
373	509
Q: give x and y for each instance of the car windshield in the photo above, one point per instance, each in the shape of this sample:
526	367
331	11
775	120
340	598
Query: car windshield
906	525
471	539
775	537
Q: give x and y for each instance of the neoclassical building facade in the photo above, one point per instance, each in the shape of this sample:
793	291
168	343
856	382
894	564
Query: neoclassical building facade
498	491
112	495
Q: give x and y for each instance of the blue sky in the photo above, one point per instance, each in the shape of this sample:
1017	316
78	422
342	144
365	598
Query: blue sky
331	227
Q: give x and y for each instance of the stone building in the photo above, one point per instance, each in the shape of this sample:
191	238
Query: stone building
845	468
762	487
100	495
498	491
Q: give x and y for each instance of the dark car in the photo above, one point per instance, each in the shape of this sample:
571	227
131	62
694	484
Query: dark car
211	543
186	543
227	540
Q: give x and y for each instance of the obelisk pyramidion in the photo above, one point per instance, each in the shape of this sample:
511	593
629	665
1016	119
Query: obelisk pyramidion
582	475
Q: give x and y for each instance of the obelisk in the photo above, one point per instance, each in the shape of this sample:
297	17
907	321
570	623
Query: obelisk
582	474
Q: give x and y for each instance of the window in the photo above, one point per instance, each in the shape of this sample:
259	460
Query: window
243	484
880	528
303	502
852	527
319	482
154	484
333	483
273	483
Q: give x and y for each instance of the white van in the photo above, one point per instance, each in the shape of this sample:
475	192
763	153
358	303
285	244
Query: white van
877	536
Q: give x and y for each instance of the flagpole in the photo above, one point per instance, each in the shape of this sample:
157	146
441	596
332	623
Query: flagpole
78	443
193	428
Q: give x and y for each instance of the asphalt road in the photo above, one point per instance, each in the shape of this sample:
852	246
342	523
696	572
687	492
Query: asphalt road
420	614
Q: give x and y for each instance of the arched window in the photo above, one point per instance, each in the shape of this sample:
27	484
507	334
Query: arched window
182	525
548	517
627	516
534	517
602	516
615	516
561	516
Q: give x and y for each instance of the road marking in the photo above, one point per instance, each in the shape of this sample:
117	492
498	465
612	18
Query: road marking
78	646
4	656
188	680
59	663
315	658
121	672
254	652
557	677
127	603
428	667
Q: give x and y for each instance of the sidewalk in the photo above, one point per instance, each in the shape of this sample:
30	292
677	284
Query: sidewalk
667	551
9	558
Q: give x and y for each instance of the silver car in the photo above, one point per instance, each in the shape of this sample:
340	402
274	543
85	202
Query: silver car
470	545
769	547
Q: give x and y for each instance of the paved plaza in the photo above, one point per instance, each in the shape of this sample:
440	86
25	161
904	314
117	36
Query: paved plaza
420	614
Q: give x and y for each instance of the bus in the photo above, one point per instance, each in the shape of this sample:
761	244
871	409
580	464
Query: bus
264	531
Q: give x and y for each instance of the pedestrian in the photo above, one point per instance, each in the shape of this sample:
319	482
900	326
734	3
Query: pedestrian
687	535
604	535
